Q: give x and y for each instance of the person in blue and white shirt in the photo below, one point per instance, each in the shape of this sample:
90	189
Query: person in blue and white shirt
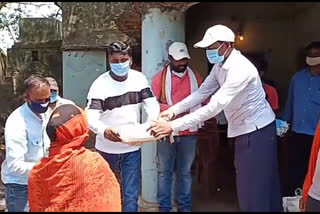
235	87
25	142
302	111
116	98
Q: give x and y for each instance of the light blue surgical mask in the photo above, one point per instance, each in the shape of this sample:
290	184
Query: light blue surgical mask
54	96
120	69
213	55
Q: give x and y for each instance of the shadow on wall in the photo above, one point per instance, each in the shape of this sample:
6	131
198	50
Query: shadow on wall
136	58
9	102
301	58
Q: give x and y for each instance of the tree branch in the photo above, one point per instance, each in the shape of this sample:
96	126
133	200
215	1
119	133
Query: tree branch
58	4
31	3
2	4
11	34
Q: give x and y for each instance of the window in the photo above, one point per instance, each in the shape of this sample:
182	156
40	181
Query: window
35	56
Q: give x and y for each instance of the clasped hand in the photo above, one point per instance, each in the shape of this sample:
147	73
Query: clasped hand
162	128
159	129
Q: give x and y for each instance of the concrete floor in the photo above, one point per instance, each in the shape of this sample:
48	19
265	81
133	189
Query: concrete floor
224	198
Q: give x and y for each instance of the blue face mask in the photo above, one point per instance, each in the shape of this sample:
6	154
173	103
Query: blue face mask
213	56
38	107
120	69
54	96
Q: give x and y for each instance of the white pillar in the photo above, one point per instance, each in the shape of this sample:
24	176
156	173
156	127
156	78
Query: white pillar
158	27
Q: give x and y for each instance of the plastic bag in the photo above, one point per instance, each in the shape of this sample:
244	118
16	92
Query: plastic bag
291	204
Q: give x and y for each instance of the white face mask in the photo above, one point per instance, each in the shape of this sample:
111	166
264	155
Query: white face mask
312	61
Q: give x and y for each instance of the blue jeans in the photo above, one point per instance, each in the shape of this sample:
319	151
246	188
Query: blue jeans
128	165
16	197
178	156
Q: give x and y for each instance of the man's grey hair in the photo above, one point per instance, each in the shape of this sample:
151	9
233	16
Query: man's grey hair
34	82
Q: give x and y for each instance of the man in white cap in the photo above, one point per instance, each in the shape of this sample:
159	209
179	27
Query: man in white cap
55	99
172	84
235	87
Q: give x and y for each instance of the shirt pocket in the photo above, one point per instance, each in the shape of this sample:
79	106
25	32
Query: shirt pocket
315	97
35	147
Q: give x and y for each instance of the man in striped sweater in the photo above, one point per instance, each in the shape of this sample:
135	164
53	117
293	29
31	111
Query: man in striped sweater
115	98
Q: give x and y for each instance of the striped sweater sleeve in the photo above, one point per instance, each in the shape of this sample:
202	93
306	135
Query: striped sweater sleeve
94	109
150	102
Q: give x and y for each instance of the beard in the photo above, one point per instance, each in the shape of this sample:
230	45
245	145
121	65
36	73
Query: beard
179	69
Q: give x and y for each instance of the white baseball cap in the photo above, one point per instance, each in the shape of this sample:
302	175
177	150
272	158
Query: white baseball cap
53	83
178	50
214	34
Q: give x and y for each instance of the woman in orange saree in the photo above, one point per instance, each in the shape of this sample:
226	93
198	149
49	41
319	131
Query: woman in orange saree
72	178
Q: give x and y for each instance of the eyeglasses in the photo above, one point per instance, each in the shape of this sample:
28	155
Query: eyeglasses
52	90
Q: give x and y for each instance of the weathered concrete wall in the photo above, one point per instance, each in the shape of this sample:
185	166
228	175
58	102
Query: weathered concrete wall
80	69
38	53
93	26
158	28
39	30
21	59
97	24
8	102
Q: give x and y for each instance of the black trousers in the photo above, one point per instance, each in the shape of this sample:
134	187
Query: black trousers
299	148
223	134
257	171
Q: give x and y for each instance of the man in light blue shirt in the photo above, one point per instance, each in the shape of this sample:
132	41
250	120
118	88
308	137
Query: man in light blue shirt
25	142
302	111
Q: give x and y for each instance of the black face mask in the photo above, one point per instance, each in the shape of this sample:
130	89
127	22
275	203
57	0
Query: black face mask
38	107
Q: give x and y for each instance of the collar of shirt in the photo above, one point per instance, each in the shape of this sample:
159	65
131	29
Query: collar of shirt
32	114
308	70
59	101
230	59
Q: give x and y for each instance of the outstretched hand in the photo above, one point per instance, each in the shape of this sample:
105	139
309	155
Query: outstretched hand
167	115
135	143
160	129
